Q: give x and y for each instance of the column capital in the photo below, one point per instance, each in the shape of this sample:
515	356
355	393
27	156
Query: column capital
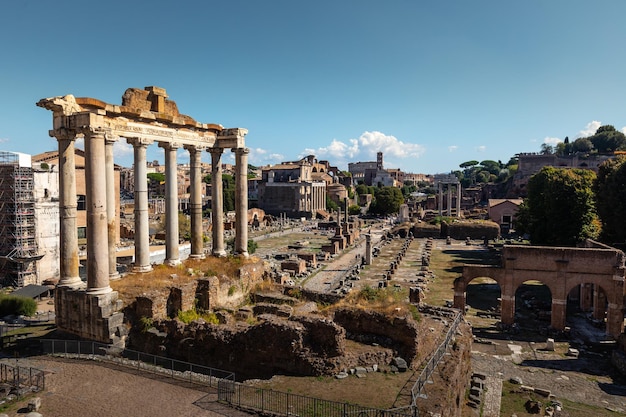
195	148
170	145
110	138
63	133
139	142
215	151
92	131
240	151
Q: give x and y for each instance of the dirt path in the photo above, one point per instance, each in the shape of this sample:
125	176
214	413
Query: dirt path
83	388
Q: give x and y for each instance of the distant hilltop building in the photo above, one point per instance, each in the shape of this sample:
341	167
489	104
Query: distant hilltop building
373	173
531	163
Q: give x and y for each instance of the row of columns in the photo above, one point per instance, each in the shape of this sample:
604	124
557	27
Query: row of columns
101	198
449	205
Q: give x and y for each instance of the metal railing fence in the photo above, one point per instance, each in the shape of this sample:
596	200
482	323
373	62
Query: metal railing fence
272	402
418	387
22	378
180	370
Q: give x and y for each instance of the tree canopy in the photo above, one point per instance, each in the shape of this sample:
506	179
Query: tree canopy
610	190
560	207
387	200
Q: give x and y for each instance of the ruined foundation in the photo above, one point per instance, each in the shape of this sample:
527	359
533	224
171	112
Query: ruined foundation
91	317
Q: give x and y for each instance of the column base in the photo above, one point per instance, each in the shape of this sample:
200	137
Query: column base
74	282
219	253
115	276
142	268
197	256
99	291
172	262
244	254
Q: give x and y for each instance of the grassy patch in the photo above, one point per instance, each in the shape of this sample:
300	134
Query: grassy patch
514	400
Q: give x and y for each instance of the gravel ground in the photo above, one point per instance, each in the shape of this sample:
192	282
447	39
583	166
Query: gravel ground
589	379
84	388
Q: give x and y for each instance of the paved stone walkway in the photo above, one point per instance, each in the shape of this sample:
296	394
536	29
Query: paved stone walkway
492	397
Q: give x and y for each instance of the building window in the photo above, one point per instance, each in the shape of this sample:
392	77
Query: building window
82	232
506	219
82	202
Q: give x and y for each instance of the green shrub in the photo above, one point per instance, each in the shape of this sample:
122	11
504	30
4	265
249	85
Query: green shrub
19	306
146	324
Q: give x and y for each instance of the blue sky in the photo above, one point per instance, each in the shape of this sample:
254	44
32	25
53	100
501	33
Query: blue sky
431	84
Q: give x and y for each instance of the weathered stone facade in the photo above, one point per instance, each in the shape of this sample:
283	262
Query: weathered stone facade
562	270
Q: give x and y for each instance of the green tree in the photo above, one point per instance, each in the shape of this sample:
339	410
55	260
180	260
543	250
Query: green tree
560	207
156	176
607	139
354	210
387	200
610	190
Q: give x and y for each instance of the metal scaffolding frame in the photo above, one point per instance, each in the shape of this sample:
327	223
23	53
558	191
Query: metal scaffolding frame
18	245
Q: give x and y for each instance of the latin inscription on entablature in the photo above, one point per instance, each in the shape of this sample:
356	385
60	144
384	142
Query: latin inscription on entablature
130	130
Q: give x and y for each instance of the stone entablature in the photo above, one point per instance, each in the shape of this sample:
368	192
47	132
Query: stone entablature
561	269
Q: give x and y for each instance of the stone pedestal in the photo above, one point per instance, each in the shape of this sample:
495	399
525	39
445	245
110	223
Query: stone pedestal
93	317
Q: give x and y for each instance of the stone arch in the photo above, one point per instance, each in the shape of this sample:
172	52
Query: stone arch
536	296
483	293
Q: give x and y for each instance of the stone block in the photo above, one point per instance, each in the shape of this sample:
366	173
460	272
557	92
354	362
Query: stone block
550	344
34	404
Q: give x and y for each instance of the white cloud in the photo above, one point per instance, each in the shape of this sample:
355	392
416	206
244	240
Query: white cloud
481	148
260	156
4	140
122	149
590	129
452	148
364	148
551	141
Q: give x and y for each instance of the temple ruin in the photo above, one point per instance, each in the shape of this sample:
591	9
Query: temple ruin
144	117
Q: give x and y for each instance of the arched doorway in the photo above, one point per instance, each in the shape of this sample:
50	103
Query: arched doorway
533	305
482	299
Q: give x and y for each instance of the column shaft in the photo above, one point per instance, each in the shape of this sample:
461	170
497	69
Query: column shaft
217	203
111	197
97	227
67	212
458	200
142	227
197	245
172	256
440	195
241	201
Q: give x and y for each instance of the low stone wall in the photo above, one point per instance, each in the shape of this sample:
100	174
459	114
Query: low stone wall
365	326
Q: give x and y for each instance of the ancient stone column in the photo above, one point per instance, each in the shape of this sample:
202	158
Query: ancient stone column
368	249
585	301
172	255
614	320
111	198
458	199
97	224
440	195
557	321
142	226
67	204
217	203
599	303
241	201
449	200
195	176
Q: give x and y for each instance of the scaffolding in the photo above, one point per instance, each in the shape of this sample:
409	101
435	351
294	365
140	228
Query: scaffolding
18	245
